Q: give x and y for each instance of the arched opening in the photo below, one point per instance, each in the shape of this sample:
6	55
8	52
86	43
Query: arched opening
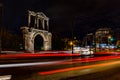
38	43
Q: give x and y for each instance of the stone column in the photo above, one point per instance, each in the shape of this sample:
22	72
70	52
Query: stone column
46	46
29	47
43	24
47	42
50	40
37	23
48	25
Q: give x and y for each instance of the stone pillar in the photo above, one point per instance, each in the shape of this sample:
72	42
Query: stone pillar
29	43
27	37
48	25
37	23
47	42
43	24
46	46
50	40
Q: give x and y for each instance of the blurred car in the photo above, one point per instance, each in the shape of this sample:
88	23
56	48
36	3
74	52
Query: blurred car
83	51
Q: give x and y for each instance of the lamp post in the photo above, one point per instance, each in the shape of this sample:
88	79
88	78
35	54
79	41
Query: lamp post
94	42
72	37
71	44
109	37
0	41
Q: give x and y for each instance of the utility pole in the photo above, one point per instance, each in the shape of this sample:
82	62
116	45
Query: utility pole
72	39
1	15
94	39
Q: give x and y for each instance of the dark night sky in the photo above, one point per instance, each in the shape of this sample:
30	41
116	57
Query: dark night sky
83	16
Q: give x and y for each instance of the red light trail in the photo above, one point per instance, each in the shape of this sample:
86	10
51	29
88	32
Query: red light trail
78	68
28	55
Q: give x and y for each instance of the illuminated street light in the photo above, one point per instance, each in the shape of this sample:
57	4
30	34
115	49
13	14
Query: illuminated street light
109	37
109	40
71	44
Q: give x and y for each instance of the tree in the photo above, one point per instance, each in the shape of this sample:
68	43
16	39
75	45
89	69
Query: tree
57	43
10	41
118	43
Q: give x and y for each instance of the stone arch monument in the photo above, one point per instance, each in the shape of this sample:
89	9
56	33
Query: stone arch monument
30	32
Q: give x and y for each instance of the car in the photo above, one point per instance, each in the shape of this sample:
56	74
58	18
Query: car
83	51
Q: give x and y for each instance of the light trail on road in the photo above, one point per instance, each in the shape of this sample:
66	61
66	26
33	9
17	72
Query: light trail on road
20	56
59	62
78	68
29	64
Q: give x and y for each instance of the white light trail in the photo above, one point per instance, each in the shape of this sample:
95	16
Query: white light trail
5	77
28	64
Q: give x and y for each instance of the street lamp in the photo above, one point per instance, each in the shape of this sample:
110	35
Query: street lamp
71	44
109	37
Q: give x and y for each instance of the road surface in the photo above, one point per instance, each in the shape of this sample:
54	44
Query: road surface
60	68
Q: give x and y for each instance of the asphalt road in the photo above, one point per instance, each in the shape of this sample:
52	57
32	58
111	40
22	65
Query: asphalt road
67	68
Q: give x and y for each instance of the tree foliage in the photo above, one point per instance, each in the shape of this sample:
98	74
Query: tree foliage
57	43
10	41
